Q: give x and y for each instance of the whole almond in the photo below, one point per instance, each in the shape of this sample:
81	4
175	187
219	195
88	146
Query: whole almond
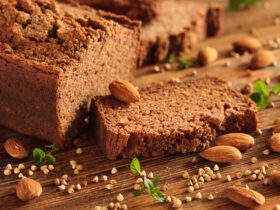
274	142
276	128
16	148
240	141
207	55
246	44
221	154
274	177
262	59
124	91
28	189
244	196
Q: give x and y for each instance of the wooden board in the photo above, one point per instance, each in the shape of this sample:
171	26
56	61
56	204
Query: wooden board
168	168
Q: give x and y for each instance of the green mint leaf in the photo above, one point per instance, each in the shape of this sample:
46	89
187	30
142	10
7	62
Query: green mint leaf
261	87
139	192
149	185
185	63
171	58
159	195
156	181
135	167
51	159
238	4
276	89
261	100
39	156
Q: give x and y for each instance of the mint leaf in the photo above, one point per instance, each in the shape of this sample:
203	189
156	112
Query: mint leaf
276	89
51	159
261	87
171	58
39	156
135	167
261	100
159	195
238	4
261	94
149	185
185	63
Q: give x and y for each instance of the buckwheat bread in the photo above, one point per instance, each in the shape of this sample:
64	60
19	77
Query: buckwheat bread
168	25
54	58
170	118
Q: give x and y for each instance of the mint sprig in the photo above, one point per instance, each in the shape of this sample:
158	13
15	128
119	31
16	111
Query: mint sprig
41	157
239	4
262	93
150	186
185	63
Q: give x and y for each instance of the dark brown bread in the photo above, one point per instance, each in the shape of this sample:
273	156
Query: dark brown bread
170	118
144	10
53	59
171	26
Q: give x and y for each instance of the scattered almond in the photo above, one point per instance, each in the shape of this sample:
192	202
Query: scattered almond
245	197
262	59
124	91
241	141
28	189
207	55
246	44
274	177
16	148
221	154
274	142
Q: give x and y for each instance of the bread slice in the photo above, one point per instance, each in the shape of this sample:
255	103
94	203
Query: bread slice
54	58
170	118
169	26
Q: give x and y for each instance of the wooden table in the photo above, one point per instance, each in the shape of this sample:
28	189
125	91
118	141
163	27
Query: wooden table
168	168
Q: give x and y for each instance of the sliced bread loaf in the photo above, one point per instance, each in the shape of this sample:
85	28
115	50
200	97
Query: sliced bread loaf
170	118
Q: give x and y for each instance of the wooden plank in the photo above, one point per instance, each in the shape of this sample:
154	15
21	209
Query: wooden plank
169	168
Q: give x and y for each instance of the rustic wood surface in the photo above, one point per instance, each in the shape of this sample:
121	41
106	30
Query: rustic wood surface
168	168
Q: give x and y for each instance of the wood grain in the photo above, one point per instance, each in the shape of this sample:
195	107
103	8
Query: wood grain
168	168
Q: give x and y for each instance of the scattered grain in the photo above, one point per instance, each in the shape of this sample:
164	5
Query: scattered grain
79	151
254	160
188	199
186	175
109	186
114	171
211	197
120	197
7	172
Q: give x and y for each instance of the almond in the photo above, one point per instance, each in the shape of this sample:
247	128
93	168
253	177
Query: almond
221	154
274	177
207	55
246	44
16	148
276	128
262	59
124	91
274	142
240	141
28	189
244	196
